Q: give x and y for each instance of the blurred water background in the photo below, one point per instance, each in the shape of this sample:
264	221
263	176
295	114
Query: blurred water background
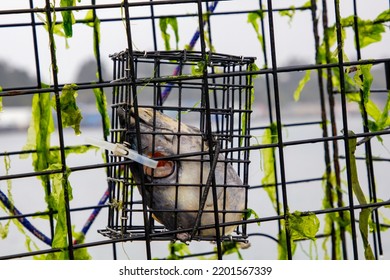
305	161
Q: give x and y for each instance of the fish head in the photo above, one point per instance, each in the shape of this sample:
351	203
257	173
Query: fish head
157	140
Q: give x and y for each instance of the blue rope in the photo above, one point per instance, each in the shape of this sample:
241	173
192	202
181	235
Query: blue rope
12	209
95	212
194	39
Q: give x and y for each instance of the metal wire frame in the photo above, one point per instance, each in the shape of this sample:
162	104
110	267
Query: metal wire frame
331	154
121	220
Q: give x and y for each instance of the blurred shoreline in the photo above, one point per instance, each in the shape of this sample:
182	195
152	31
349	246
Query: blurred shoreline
17	118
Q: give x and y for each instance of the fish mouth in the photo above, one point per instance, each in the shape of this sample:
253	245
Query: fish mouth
146	117
164	169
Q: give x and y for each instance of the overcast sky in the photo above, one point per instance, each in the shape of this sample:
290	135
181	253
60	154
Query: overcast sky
231	34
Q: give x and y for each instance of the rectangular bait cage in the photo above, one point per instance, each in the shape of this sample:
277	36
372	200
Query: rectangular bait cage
212	93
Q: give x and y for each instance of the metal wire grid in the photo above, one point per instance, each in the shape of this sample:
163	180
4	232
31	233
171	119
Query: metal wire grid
229	111
334	144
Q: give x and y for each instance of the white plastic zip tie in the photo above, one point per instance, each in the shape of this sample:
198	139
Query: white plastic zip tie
121	150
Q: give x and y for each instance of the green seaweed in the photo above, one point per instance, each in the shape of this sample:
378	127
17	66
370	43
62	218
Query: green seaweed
164	23
370	31
379	119
93	21
249	213
101	105
282	244
253	18
333	221
67	17
231	247
48	158
301	85
57	197
383	17
365	213
270	136
302	225
288	13
5	229
80	253
39	131
70	112
177	250
198	68
57	28
250	101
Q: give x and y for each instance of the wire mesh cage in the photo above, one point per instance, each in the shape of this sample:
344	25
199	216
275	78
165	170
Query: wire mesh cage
298	136
196	161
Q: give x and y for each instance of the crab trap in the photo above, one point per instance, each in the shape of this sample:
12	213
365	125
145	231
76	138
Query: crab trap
195	123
